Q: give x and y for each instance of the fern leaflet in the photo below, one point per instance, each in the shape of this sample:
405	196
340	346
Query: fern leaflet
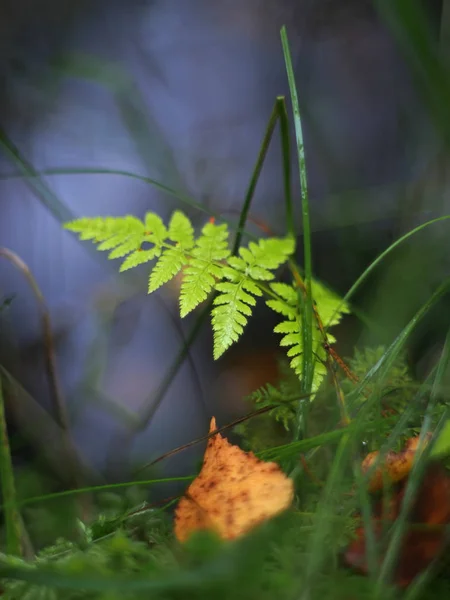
202	270
330	309
174	258
234	304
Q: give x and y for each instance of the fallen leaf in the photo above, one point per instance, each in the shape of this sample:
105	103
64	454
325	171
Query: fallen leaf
234	492
425	537
396	465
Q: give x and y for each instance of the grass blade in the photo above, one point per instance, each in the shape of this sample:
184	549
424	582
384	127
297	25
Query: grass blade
255	176
286	157
384	254
12	515
308	359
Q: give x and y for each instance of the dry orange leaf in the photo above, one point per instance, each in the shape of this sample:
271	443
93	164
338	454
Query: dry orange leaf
234	492
396	465
420	546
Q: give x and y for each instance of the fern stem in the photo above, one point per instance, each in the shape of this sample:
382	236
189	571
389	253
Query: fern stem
12	515
255	175
286	156
308	363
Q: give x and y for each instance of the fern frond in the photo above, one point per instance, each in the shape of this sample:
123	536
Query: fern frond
155	229
234	304
169	264
269	395
173	259
121	235
262	257
331	307
286	304
181	230
229	319
330	310
139	257
125	235
200	275
206	263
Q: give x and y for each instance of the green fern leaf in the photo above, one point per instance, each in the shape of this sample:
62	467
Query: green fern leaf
286	292
125	236
234	304
232	294
202	270
121	235
181	230
93	228
139	257
331	306
229	318
168	265
173	259
265	256
286	304
130	244
330	310
155	229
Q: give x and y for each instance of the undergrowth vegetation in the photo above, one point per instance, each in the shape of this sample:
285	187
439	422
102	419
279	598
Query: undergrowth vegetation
331	424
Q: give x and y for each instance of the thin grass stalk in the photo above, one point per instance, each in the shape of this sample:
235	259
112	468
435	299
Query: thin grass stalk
10	508
308	358
249	195
382	256
286	158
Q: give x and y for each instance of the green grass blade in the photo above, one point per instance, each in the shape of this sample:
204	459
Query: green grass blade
12	515
308	362
384	364
180	196
286	158
255	177
100	488
384	254
33	180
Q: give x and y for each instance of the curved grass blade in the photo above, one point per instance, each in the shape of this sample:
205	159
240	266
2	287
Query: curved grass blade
385	253
100	488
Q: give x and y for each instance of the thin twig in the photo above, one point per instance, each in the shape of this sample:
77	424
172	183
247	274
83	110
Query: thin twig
254	413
